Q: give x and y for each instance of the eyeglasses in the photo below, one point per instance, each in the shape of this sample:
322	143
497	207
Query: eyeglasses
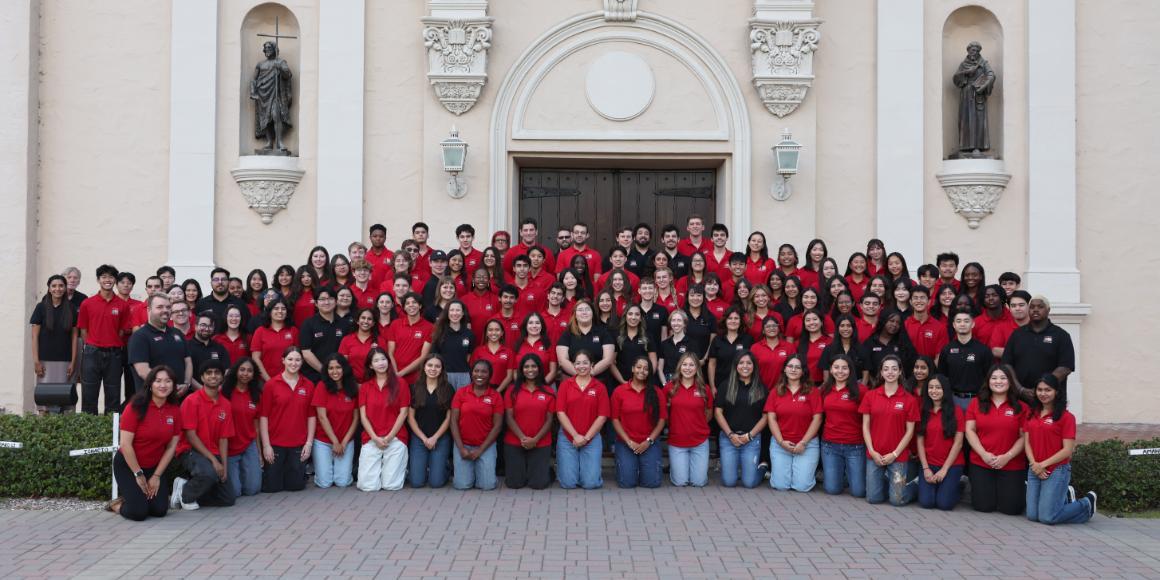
218	279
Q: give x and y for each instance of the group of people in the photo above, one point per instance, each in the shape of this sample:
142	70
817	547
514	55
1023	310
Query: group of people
897	388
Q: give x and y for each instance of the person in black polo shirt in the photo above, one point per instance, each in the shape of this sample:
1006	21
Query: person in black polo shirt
203	348
157	343
320	334
220	299
965	361
1039	348
640	255
584	334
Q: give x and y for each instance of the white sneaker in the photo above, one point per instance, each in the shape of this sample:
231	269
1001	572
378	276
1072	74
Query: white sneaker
1091	495
175	497
1070	494
190	506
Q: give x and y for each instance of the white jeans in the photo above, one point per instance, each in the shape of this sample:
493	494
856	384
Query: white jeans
382	468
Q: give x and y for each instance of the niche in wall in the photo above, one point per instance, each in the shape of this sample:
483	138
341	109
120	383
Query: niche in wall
963	26
269	18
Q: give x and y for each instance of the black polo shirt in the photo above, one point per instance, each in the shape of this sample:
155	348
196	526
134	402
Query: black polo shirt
700	328
679	264
200	353
54	344
671	351
158	347
873	351
629	349
430	415
76	298
725	352
639	262
965	365
1034	354
456	347
741	414
320	337
855	353
593	341
655	319
219	307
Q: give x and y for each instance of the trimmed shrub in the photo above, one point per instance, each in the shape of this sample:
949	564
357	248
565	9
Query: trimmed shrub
43	467
1124	483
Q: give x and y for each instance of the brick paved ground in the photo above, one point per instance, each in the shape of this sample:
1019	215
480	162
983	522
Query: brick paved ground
708	533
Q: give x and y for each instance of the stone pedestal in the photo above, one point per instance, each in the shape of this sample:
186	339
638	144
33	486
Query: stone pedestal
267	182
974	186
457	35
783	36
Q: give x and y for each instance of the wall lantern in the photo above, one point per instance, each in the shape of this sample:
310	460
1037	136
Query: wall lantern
454	157
786	153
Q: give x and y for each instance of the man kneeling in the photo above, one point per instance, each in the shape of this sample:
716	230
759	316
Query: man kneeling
208	424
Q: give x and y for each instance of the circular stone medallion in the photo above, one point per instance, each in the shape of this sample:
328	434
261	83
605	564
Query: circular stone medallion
620	86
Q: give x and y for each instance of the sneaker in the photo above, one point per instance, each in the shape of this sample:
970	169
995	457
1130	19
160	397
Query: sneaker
190	506
763	469
1091	495
1070	494
175	497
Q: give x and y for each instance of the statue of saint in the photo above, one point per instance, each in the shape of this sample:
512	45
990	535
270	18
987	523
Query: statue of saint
975	81
270	91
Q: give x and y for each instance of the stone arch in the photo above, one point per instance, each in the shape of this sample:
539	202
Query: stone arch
681	43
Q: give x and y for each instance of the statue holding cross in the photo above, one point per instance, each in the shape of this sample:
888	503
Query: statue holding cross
270	91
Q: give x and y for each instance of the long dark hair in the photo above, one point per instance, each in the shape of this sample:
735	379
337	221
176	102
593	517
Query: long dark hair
443	322
284	268
349	385
443	389
230	384
652	401
852	384
985	393
538	380
67	317
950	423
392	376
1059	405
757	390
268	320
140	401
782	386
249	296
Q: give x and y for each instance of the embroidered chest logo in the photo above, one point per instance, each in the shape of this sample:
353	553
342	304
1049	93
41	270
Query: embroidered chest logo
252	406
418	334
1049	421
542	397
1009	413
845	396
288	336
928	334
221	416
214	356
800	398
898	406
487	400
590	393
596	339
466	342
158	338
115	311
301	392
169	419
970	358
503	356
1048	340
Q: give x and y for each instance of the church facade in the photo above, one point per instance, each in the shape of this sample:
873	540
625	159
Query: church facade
129	137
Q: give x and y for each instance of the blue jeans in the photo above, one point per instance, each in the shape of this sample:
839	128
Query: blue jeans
458	379
945	494
1047	499
888	482
739	459
632	469
794	471
331	469
429	466
842	464
689	465
244	471
479	473
578	467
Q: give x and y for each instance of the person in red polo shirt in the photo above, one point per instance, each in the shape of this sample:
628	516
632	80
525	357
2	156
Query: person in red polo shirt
582	407
940	446
272	338
150	429
104	322
529	236
695	243
794	412
499	357
843	448
476	418
994	430
482	303
579	247
243	389
690	406
410	339
335	401
530	406
286	423
384	404
208	421
639	414
888	417
927	334
1049	433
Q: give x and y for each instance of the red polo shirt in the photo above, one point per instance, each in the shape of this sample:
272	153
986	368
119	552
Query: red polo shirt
106	321
628	408
153	432
758	271
269	344
530	411
814	356
564	261
381	411
793	328
843	421
994	332
888	418
480	309
477	413
340	410
511	329
546	354
771	360
858	289
794	412
556	325
211	420
509	257
287	409
303	308
928	337
602	281
808	277
936	445
688	426
471	261
532	299
582	405
409	339
1045	435
237	348
356	351
718	265
686	247
245	413
998	430
382	266
502	360
364	298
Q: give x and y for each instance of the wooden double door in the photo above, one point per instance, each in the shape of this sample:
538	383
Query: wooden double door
610	199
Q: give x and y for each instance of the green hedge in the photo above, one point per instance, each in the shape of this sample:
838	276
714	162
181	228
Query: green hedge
43	467
1124	484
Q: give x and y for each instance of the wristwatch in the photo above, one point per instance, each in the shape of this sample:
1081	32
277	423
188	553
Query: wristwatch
139	473
650	441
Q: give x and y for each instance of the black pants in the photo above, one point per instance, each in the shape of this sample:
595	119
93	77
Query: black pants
996	489
137	507
286	473
527	467
204	485
101	367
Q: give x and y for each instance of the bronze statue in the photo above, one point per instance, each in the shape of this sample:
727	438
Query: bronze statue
270	91
975	81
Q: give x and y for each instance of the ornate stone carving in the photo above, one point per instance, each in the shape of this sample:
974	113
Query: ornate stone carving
974	187
783	61
457	59
267	183
620	10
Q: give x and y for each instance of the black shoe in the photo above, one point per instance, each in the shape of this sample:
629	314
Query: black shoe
1091	495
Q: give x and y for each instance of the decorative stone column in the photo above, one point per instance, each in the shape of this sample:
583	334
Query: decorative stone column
267	182
783	36
973	186
457	36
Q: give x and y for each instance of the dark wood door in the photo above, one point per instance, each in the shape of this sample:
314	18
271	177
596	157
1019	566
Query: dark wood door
609	199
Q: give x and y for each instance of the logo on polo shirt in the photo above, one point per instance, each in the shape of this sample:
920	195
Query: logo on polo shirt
1049	421
115	311
1009	412
487	306
781	353
158	338
252	405
845	396
346	398
302	392
681	349
800	398
970	358
928	334
288	336
697	393
503	356
1046	339
177	338
542	397
318	334
898	406
338	333
590	393
221	415
739	347
632	263
418	334
213	356
656	315
466	342
596	339
169	419
487	400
